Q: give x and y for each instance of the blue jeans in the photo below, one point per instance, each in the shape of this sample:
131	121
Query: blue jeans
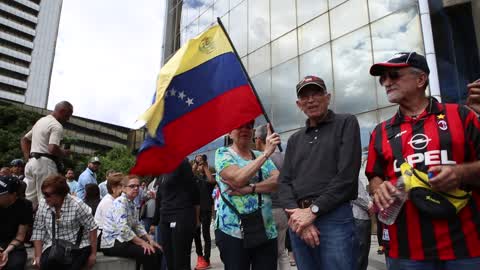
460	264
336	249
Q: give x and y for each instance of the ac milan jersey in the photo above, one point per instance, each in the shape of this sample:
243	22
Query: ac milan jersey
443	134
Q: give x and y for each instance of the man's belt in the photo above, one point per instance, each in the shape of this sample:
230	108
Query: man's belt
305	203
39	155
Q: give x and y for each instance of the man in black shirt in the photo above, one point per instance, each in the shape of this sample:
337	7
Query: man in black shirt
16	216
318	180
205	183
176	212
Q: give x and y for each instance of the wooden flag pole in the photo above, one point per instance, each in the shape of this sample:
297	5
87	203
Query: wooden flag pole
248	78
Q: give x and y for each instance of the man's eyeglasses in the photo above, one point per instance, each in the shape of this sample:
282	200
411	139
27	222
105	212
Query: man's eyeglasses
314	95
133	186
392	74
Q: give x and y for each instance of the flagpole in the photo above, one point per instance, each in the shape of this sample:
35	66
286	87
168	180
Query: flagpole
248	78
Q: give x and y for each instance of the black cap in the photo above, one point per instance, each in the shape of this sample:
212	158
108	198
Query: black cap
8	184
399	60
311	80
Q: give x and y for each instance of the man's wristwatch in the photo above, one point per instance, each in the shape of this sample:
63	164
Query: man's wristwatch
253	186
315	209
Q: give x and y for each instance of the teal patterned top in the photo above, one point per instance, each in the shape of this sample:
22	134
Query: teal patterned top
226	220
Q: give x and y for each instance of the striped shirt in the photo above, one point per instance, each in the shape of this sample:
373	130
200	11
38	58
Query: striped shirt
442	134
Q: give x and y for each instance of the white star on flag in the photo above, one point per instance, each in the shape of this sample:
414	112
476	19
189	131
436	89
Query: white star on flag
173	92
181	95
189	101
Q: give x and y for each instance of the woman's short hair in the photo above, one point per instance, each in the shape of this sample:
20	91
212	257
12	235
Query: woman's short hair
58	183
114	180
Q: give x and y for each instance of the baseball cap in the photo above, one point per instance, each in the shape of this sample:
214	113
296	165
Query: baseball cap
95	160
17	163
401	59
311	80
8	184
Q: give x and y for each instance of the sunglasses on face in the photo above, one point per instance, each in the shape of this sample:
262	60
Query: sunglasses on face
133	186
392	74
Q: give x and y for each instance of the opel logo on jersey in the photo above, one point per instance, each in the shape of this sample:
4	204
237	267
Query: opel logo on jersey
442	124
419	141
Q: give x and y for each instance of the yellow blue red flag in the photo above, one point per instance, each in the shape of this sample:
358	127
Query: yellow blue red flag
202	93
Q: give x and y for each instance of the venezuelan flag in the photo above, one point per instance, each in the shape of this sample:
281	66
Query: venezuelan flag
202	93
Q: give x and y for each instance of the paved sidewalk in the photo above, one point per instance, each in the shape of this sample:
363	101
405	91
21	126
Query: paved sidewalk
375	261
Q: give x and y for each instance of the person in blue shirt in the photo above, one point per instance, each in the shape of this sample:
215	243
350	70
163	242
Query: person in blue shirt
72	183
88	176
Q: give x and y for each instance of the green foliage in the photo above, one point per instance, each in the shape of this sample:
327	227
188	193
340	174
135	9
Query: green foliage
119	159
14	123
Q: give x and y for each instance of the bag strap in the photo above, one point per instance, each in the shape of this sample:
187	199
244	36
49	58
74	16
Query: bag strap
79	233
53	225
260	177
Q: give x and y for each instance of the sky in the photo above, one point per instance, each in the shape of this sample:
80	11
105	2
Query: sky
107	58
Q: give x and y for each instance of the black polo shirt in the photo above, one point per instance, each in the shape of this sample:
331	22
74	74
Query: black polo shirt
19	213
322	163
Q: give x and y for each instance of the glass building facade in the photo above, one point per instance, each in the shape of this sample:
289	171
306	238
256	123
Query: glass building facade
281	41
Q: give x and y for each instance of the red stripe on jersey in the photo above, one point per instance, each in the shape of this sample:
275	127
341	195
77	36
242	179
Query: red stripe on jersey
412	219
455	126
372	156
469	229
414	234
440	227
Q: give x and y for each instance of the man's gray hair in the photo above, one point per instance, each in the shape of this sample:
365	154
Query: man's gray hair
261	133
419	72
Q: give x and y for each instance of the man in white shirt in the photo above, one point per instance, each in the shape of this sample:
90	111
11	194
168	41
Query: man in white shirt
41	147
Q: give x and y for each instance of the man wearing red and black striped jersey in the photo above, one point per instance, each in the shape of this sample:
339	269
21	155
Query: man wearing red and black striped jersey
435	137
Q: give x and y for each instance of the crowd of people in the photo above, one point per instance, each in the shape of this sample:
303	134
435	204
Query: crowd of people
260	201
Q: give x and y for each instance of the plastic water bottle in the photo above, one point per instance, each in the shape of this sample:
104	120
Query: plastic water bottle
389	215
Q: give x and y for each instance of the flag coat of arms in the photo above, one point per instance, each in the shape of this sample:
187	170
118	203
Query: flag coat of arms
202	93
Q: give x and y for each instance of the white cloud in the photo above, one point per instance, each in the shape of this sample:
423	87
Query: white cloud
107	58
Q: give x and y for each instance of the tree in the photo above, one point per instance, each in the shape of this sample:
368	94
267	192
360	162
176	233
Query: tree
14	123
119	159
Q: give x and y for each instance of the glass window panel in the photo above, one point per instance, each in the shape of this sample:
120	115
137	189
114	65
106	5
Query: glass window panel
258	24
380	8
225	22
234	3
387	113
285	136
395	33
191	30
262	83
204	4
286	115
348	17
190	10
334	3
205	20
238	34
259	60
284	48
309	9
283	17
367	122
220	7
318	62
313	33
354	87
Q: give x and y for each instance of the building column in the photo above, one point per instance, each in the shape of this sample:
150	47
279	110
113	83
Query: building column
429	48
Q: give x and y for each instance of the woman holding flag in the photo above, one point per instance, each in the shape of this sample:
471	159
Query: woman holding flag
245	178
